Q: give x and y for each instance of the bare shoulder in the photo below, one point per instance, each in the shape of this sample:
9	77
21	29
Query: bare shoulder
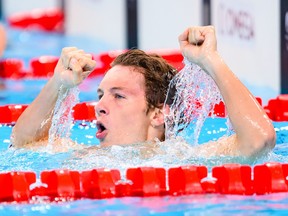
60	145
224	146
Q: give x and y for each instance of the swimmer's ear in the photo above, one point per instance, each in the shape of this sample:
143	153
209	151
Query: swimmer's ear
157	118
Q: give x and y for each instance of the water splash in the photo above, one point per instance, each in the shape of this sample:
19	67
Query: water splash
159	154
62	119
170	153
167	154
195	97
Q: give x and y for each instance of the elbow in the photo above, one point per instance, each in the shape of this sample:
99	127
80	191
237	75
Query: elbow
14	138
263	143
18	139
270	140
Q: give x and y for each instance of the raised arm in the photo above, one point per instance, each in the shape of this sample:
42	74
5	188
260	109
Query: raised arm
33	125
254	132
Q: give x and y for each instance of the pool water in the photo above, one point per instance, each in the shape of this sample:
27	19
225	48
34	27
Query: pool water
273	204
84	156
24	91
217	204
83	132
22	44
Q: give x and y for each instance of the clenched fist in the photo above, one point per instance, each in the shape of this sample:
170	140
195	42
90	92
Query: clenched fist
73	67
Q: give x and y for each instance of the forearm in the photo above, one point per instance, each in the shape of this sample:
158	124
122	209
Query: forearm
34	123
72	68
254	130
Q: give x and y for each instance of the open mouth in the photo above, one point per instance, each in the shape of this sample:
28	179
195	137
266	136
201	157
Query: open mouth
100	127
101	131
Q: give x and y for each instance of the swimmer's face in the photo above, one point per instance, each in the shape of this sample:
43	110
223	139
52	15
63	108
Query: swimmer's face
121	112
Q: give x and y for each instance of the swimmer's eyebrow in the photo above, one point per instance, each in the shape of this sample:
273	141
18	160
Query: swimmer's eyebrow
101	91
117	88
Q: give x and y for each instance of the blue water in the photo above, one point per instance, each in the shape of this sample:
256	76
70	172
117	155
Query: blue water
274	204
24	91
215	204
29	44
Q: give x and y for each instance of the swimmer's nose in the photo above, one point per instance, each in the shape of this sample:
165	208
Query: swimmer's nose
100	109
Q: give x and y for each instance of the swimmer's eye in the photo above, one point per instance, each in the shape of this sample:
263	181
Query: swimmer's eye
99	97
118	96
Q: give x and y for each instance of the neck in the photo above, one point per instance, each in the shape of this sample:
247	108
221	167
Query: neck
157	132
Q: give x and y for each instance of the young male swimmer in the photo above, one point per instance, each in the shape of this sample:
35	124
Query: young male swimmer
132	94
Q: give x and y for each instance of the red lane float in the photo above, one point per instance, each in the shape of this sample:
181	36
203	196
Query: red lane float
147	181
99	183
14	186
104	183
219	110
174	57
81	111
61	183
84	111
10	113
12	68
38	19
186	179
123	189
233	179
43	66
270	178
277	110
